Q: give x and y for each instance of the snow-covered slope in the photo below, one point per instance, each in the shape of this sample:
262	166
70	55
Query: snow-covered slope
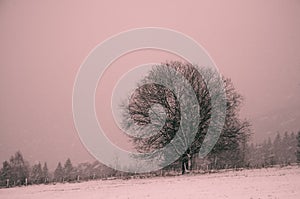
260	183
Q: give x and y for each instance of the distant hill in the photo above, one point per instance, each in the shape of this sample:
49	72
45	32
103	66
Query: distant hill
279	120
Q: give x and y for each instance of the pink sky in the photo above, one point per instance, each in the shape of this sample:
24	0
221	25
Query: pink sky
43	43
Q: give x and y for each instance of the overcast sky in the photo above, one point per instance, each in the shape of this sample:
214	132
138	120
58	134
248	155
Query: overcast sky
43	43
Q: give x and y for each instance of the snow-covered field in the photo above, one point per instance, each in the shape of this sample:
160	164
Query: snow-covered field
263	183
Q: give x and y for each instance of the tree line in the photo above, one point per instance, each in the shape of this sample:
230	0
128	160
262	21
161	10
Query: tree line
282	150
18	172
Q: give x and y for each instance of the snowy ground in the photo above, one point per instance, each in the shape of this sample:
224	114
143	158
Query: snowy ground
263	183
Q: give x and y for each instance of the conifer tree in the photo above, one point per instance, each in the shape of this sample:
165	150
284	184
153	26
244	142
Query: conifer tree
59	173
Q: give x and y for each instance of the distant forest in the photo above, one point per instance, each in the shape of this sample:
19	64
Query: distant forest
282	150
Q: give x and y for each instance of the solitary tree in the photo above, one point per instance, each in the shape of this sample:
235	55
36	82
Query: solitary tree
141	112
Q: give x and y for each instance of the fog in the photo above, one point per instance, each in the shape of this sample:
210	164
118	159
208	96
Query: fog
43	44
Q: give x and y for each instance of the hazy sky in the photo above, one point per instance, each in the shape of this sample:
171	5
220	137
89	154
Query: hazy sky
43	43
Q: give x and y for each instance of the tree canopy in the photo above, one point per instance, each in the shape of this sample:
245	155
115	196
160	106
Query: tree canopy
165	119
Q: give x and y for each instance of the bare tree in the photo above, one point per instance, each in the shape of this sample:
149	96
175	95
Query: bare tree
167	118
